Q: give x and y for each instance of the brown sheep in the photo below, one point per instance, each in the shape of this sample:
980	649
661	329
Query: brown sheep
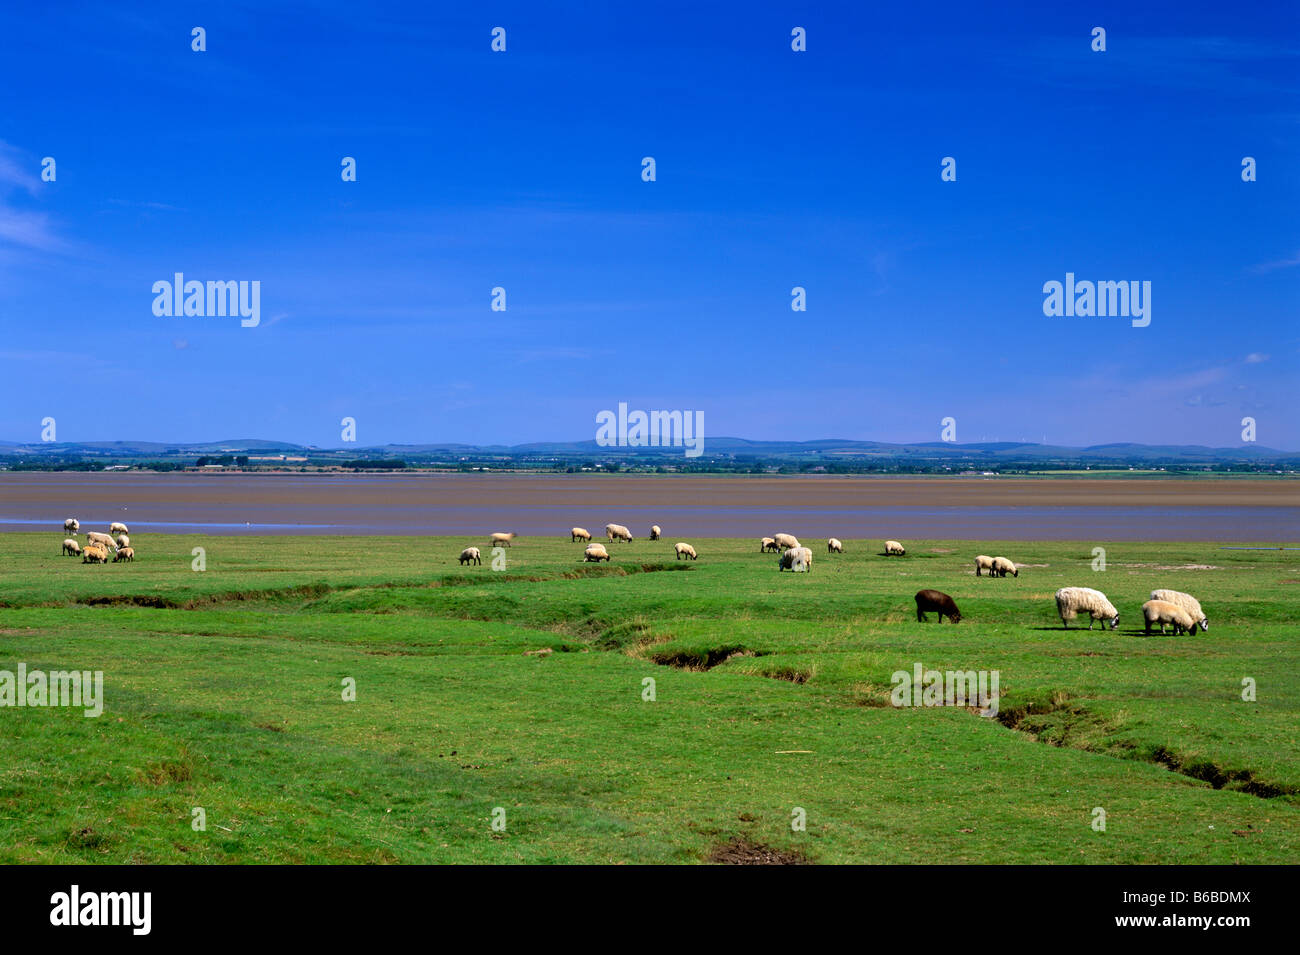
928	601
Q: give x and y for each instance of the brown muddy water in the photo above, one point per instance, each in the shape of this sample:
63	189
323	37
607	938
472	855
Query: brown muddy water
1226	511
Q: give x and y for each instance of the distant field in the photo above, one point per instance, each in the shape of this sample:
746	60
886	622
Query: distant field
522	690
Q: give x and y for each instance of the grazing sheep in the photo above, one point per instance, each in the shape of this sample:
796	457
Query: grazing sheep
938	602
126	553
470	555
655	532
70	547
1002	566
785	541
618	532
766	543
797	559
123	540
983	562
685	550
894	548
595	552
94	554
833	546
579	534
1163	612
1071	600
71	526
502	540
95	537
1186	601
117	527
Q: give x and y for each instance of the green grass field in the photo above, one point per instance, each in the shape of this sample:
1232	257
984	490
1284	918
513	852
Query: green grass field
522	690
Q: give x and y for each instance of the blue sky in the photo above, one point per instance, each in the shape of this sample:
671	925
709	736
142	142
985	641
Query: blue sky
775	169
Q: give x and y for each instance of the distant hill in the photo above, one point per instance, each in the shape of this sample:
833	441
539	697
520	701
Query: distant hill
831	454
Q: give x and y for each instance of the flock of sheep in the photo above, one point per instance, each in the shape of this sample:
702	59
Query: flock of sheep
98	545
1166	607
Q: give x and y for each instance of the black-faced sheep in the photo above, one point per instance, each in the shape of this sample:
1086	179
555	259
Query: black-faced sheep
785	541
894	549
934	601
983	562
685	551
579	534
1002	566
833	546
797	559
502	540
655	532
94	554
1186	601
470	555
117	527
1163	612
95	537
71	526
1071	601
595	552
766	543
617	532
123	540
70	547
125	553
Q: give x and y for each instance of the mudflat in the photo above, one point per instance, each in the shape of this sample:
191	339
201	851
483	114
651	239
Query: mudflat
1238	510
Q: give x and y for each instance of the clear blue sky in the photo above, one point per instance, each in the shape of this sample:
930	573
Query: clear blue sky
775	169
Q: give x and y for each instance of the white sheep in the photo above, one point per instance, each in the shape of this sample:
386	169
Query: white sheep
95	537
94	554
71	526
117	527
617	532
1071	600
833	546
595	552
502	540
470	555
655	532
685	551
1163	612
894	548
785	541
983	562
123	540
579	534
1002	566
1186	601
766	543
797	559
126	553
70	547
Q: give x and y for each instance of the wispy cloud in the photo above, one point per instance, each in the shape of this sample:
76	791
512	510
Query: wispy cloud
1288	263
22	227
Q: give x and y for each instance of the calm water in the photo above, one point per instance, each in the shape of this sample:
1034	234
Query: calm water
685	507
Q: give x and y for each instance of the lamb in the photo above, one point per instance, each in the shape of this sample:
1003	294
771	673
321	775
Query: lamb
1163	612
765	544
1071	600
95	537
70	547
983	562
502	540
470	555
797	559
126	553
1002	566
894	548
833	546
685	551
655	532
71	526
1186	601
117	527
938	602
123	540
618	532
579	534
595	552
94	554
785	541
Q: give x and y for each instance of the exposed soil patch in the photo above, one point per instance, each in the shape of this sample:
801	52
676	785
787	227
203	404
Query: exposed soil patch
743	852
701	659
